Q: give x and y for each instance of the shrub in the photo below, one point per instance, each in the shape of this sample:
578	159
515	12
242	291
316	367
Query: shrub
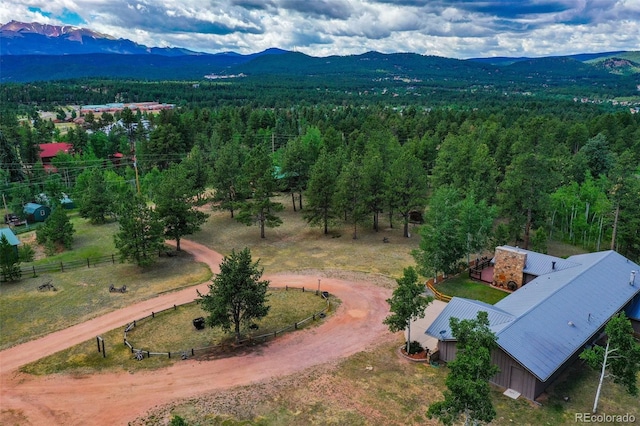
415	347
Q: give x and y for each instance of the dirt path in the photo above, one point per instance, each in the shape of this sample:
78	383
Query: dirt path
116	398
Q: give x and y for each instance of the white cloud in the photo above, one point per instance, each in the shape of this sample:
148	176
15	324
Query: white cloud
327	27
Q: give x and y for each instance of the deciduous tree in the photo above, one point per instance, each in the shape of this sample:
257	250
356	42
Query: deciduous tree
468	394
621	356
407	303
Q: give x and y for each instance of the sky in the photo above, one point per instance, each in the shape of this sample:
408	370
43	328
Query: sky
451	28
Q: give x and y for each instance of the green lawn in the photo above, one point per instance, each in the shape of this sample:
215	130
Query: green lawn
462	286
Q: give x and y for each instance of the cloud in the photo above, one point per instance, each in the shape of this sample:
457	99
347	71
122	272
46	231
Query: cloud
453	28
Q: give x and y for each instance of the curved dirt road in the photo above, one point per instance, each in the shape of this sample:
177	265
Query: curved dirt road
116	398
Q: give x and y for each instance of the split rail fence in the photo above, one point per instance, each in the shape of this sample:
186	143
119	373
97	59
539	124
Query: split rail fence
140	353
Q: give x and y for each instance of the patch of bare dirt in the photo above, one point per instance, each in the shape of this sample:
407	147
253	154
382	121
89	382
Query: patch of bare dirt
117	398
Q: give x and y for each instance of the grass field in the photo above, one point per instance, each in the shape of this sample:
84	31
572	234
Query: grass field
373	387
83	293
173	331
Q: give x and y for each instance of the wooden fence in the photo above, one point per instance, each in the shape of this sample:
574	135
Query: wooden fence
64	266
251	339
437	294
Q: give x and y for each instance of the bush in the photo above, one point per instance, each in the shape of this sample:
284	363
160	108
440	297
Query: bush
415	348
178	421
26	253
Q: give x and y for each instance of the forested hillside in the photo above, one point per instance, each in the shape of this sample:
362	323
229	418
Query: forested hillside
505	169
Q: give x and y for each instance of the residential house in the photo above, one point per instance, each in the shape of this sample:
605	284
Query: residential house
544	325
50	150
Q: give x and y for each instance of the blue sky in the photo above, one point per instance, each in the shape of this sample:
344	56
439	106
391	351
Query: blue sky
451	28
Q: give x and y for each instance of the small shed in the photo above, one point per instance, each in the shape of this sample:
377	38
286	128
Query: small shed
11	237
36	212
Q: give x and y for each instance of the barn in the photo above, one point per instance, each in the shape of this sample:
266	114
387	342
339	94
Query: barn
36	212
543	326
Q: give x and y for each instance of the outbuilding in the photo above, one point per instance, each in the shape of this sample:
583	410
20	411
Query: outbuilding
36	212
11	237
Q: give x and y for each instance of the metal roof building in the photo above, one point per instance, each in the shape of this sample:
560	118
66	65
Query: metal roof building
543	326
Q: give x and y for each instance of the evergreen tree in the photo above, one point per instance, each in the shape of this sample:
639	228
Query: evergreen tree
321	209
236	296
140	237
175	199
228	185
9	261
93	198
56	231
350	195
406	187
259	208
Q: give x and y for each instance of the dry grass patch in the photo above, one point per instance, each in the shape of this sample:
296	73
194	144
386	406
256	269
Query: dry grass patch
82	294
172	331
295	246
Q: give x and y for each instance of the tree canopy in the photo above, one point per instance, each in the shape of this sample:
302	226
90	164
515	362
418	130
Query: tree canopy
236	296
468	394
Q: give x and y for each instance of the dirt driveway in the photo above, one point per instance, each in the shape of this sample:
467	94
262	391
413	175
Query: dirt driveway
116	398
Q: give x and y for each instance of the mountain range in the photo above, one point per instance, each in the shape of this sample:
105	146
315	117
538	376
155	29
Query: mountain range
40	52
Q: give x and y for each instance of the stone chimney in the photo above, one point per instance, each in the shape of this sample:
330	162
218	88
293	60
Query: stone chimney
508	270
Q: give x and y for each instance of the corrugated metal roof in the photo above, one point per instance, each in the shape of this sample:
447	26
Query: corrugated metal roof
557	314
11	237
540	264
463	309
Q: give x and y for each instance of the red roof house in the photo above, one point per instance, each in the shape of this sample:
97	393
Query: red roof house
50	150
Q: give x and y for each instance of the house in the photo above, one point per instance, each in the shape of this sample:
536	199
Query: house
36	212
544	325
10	236
50	150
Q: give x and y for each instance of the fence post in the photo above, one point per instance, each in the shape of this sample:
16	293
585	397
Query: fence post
113	259
88	266
34	271
61	267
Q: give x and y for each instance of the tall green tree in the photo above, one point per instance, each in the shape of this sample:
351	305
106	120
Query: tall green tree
442	243
56	231
350	196
140	237
321	209
175	204
227	178
468	394
91	194
406	187
524	193
621	356
259	172
407	303
237	296
9	261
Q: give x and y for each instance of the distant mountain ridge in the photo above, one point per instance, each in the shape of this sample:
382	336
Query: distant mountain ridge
37	52
20	38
